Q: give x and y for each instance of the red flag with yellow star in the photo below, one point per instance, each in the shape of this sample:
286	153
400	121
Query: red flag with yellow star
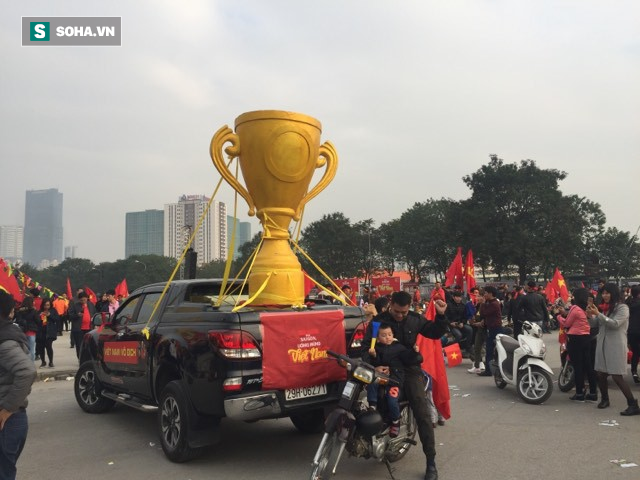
454	355
469	271
560	285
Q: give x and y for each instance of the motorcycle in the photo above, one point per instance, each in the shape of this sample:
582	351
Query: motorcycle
358	430
521	363
566	377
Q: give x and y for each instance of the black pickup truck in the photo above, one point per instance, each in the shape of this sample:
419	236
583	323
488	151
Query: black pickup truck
201	362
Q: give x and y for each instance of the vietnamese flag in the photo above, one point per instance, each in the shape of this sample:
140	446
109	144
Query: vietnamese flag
454	355
560	285
69	291
469	271
8	282
433	364
455	272
550	292
92	296
122	289
308	284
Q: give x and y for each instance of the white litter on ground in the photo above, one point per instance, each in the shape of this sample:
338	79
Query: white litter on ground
69	379
609	423
623	463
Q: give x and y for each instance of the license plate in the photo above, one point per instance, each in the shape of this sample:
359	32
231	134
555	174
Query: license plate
305	392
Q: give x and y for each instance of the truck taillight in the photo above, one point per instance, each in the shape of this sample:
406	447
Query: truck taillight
235	344
358	335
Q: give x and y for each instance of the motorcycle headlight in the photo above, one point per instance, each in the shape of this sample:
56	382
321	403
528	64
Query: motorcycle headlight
364	374
543	349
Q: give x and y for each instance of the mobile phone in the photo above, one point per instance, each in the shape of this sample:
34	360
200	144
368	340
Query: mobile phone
590	301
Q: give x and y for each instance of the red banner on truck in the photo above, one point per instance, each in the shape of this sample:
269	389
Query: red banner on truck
294	348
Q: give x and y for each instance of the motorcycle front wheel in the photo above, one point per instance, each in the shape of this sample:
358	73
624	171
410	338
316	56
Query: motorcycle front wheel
535	388
328	455
567	378
399	446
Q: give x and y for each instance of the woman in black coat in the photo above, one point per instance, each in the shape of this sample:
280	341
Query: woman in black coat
47	331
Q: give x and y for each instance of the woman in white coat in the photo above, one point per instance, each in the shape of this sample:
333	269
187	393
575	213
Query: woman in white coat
611	349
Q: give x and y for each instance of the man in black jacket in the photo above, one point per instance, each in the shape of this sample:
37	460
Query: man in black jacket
532	307
406	326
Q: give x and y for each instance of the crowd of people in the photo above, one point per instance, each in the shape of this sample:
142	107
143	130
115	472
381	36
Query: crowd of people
602	328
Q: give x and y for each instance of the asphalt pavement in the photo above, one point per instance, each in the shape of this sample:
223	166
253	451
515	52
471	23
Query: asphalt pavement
65	361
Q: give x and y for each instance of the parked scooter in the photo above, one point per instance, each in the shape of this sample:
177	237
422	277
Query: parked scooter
364	433
521	363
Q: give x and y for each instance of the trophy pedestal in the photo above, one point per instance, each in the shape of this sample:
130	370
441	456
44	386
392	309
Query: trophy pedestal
286	283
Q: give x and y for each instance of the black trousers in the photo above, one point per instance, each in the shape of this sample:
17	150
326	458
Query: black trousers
417	397
579	348
634	344
76	339
45	345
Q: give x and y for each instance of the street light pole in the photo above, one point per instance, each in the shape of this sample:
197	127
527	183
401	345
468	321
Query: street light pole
141	263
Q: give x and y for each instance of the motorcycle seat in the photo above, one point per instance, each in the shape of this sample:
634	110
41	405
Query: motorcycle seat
509	344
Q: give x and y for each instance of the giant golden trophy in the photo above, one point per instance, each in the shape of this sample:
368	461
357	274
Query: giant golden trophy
278	153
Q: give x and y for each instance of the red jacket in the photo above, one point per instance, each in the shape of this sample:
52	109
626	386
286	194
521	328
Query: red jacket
491	313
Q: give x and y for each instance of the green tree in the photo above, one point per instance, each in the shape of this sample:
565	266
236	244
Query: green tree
618	254
518	217
335	245
423	242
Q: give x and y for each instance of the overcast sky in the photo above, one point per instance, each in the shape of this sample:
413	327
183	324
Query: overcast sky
413	94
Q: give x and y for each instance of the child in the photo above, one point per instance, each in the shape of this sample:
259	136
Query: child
388	352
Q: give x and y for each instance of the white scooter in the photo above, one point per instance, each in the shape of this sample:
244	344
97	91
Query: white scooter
521	363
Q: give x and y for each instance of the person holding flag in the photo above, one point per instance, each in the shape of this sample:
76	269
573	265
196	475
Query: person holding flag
406	326
80	315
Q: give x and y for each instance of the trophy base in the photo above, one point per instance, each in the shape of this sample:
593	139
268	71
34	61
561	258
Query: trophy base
285	284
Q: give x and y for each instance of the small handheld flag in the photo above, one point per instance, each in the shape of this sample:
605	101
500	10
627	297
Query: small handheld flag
375	326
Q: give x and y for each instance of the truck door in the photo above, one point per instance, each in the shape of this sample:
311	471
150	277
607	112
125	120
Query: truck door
112	349
138	348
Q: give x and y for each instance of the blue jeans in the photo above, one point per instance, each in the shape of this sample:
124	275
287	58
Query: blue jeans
391	394
32	347
12	439
490	346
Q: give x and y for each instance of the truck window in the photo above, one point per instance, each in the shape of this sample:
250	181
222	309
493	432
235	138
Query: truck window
208	293
125	315
148	304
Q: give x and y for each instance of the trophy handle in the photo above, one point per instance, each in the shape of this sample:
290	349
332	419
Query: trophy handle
222	136
329	157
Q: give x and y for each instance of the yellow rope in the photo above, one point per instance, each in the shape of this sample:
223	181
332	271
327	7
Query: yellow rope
295	244
255	295
230	251
145	331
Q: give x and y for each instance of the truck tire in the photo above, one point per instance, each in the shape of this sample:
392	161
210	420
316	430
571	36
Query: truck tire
88	390
309	422
174	423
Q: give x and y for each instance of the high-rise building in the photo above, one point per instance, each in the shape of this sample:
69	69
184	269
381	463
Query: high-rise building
43	227
11	242
181	219
71	251
243	234
144	234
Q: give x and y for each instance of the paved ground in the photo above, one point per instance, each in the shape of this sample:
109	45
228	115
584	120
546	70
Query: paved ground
64	359
492	435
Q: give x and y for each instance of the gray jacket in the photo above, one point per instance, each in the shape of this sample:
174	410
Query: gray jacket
611	349
17	373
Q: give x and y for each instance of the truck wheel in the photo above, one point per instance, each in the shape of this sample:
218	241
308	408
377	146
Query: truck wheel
173	423
88	390
309	422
